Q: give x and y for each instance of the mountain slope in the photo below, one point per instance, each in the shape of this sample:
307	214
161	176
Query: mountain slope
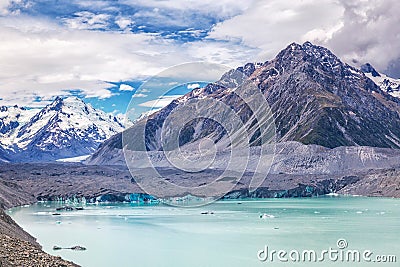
11	121
387	84
314	97
317	99
65	128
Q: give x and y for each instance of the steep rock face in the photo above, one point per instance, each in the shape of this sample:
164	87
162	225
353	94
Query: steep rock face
317	99
65	128
314	97
212	108
368	68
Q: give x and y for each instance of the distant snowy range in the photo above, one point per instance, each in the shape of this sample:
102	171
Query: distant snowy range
66	128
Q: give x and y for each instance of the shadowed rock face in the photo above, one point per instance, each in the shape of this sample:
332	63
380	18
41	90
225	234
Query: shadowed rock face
317	99
367	68
314	97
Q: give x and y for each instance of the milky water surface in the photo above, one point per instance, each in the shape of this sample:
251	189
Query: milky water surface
231	234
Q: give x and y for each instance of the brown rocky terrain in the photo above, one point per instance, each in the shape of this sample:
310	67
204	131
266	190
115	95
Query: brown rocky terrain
18	248
18	252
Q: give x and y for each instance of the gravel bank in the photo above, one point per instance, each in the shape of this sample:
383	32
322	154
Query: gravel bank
21	253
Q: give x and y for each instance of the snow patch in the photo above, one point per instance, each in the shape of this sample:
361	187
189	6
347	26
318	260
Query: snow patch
387	84
74	159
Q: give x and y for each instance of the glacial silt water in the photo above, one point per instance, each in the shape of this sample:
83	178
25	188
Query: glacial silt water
225	233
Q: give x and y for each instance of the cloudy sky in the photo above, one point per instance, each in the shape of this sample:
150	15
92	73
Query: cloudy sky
103	50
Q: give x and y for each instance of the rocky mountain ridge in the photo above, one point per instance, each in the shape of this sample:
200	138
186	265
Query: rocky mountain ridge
314	97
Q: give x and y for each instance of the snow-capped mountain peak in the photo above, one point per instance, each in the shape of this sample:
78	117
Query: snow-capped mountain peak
367	68
68	127
386	83
73	113
12	119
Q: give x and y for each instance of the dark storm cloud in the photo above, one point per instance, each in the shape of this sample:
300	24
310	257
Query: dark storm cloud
370	33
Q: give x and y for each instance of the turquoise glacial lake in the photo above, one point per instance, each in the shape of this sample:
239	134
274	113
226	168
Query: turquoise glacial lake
231	233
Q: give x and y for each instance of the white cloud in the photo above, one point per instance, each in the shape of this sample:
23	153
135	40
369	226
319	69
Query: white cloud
4	6
125	87
85	20
362	31
97	4
143	90
156	17
271	25
228	53
159	102
185	13
137	95
322	35
193	86
370	32
123	22
39	58
222	8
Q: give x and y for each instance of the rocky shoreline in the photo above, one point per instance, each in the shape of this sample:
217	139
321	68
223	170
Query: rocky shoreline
18	248
17	252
